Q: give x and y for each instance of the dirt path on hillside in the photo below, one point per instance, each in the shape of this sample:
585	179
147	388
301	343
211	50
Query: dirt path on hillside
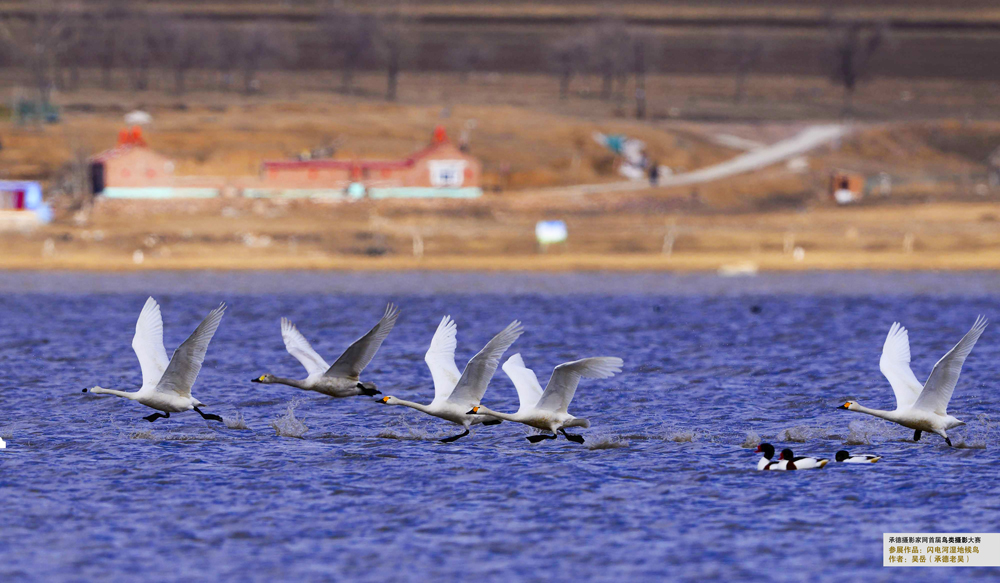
801	143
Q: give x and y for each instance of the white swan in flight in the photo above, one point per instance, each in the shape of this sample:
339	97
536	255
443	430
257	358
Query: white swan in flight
342	379
454	393
548	410
166	383
921	407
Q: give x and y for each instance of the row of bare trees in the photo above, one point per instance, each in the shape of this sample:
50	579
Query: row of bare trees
54	43
616	53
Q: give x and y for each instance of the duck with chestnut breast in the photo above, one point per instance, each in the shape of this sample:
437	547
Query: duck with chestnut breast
788	461
843	456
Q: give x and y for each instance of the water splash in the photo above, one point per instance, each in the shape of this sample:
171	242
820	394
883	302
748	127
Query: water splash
797	434
605	442
236	421
682	436
287	425
976	435
752	439
861	431
150	435
407	434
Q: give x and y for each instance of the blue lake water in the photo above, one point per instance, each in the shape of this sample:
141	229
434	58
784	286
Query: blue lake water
663	489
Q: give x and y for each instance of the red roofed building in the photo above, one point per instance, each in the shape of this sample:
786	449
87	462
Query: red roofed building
439	170
133	170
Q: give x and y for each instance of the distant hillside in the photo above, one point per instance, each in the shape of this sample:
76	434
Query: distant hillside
924	38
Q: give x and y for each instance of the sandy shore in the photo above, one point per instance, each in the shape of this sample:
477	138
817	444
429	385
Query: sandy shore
632	233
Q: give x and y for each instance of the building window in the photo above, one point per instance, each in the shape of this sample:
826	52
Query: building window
447	173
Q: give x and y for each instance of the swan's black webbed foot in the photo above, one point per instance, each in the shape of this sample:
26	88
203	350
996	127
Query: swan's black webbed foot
916	435
368	390
156	416
572	437
493	422
208	415
537	438
948	441
455	437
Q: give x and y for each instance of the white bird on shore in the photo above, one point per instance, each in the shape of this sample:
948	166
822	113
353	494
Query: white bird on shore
166	383
452	399
921	407
342	379
548	410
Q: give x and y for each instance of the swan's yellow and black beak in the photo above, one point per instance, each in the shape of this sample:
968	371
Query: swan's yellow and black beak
384	400
259	379
846	405
474	411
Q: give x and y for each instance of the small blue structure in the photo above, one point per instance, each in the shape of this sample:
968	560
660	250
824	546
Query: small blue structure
23	195
549	232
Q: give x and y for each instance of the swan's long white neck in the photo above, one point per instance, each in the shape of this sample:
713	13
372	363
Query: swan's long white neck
418	406
290	382
483	410
890	415
130	396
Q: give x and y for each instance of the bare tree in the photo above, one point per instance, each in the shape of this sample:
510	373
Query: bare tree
182	45
228	53
852	47
263	44
101	39
350	39
39	42
70	51
645	49
136	45
467	56
610	52
745	54
395	41
567	56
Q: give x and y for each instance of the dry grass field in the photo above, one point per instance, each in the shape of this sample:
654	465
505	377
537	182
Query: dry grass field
938	215
497	233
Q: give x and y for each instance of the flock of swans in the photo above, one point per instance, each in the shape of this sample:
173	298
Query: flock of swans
166	383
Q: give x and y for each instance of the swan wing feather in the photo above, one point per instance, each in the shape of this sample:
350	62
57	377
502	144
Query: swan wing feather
358	355
944	376
185	364
297	345
529	390
477	374
895	365
440	358
562	386
148	344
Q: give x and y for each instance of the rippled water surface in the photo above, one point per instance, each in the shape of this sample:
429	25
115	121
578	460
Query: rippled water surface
663	489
